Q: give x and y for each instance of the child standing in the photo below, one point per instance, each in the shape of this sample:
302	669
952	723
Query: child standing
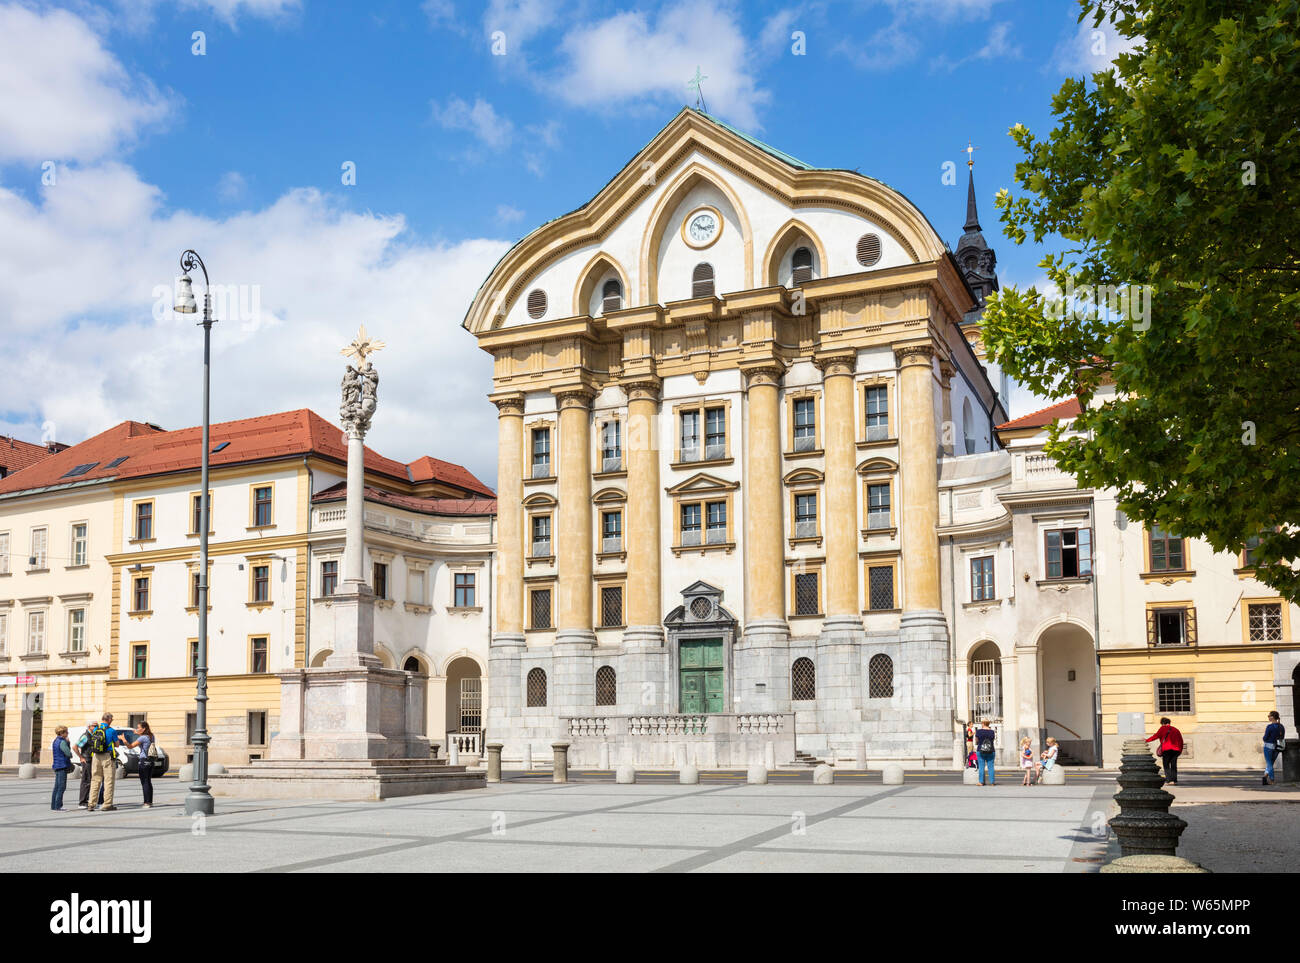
1027	761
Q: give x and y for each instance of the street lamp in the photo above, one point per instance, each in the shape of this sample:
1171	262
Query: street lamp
200	799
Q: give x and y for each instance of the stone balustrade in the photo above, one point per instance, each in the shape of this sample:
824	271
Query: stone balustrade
707	741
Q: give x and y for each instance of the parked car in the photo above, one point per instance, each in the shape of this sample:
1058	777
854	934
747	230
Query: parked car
129	763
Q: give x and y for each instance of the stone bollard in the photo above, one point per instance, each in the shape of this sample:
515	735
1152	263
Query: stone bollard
625	776
1290	762
688	775
604	755
769	755
1053	777
756	775
892	775
494	762
861	750
1144	825
216	769
823	776
970	777
528	755
453	752
1153	864
186	773
560	766
27	771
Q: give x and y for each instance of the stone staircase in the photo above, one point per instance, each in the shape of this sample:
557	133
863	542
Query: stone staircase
802	758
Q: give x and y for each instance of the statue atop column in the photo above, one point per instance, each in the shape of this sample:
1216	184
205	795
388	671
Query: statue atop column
360	385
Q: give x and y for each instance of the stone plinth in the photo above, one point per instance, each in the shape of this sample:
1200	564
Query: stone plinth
366	780
349	713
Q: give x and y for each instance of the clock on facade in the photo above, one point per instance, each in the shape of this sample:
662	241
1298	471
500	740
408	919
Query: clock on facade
702	227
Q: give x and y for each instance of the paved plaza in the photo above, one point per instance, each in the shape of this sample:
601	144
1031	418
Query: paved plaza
931	824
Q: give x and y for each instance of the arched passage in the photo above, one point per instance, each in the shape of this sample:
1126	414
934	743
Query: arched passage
464	703
985	675
1068	686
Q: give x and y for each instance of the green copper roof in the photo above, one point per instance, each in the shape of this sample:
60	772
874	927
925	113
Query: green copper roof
766	148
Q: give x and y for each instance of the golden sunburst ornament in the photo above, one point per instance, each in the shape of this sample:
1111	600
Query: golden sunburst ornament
361	346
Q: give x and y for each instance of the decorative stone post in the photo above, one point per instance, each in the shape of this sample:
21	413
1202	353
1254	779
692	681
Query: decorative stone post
1144	824
560	766
494	762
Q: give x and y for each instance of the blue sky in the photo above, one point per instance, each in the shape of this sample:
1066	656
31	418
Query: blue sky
468	125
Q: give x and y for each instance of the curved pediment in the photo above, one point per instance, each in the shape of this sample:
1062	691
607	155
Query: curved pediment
606	495
804	476
877	466
630	218
540	500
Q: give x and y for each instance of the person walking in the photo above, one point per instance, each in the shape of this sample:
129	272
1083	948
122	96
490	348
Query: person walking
1027	761
985	751
1274	743
102	741
141	747
61	759
1168	749
82	750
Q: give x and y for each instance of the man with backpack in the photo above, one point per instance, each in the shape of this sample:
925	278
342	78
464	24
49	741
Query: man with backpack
102	742
986	751
81	748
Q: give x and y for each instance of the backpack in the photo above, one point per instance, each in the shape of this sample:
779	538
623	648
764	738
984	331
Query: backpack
986	745
99	741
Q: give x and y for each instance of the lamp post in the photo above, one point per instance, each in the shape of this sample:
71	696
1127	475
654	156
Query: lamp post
200	799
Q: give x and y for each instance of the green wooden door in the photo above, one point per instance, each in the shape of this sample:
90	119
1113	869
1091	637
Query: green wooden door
702	675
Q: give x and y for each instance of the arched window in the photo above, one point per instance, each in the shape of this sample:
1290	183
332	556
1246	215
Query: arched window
702	280
880	677
536	688
611	295
803	680
802	262
606	686
968	426
412	664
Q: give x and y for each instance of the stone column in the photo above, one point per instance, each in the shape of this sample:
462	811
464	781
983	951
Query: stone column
510	517
353	607
573	672
763	654
919	503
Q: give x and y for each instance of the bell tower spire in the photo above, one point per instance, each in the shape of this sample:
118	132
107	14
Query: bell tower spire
976	258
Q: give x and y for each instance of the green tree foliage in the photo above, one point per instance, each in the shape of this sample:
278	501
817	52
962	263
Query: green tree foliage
1175	172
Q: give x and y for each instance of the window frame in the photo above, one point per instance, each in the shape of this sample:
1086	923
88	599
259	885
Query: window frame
606	463
1155	534
135	649
620	586
805	570
887	483
533	518
699	408
195	507
535	430
1078	560
6	549
549	588
254	504
41	559
252	653
378	568
145	576
1284	620
72	628
891	563
1164	710
136	505
976	579
79	544
43	635
865	389
330	579
1189	626
459	602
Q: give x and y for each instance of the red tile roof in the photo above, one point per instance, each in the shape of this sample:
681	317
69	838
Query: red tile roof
15	455
426	506
1069	408
435	469
148	450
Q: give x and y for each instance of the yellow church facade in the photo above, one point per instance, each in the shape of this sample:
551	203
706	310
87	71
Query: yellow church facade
724	386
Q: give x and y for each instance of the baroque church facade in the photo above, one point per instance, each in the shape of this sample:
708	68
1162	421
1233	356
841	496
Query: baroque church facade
725	388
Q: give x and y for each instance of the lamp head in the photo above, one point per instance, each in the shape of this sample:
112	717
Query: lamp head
185	303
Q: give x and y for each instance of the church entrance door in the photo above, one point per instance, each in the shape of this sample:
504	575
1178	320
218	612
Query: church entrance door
702	675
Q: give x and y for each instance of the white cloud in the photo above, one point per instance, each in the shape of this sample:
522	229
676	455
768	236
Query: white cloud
63	96
627	59
78	273
520	21
997	47
885	49
479	118
1092	49
508	215
232	186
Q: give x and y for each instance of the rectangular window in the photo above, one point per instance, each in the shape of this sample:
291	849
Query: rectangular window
1166	551
139	661
715	433
877	398
1171	626
415	585
257	661
329	578
261	583
140	593
36	633
981	579
4	634
541	543
4	553
691	524
134	719
379	580
1174	696
262	506
76	630
806	601
196	514
880	587
464	590
805	516
1069	552
1264	621
143	521
611	606
611	531
878	510
1248	556
194	590
690	436
805	424
40	548
194	657
611	446
191	724
257	728
541	453
79	544
539	607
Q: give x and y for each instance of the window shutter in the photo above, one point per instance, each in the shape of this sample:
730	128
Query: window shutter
802	264
868	249
536	303
611	296
702	281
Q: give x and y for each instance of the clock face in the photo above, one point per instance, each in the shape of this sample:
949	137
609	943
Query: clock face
702	228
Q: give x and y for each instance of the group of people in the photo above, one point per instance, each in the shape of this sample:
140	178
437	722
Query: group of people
984	753
95	751
1170	746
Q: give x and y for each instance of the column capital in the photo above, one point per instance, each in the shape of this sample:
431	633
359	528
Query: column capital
837	365
946	370
643	389
914	354
763	373
508	404
574	396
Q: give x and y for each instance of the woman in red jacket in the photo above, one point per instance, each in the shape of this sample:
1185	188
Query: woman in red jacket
1170	747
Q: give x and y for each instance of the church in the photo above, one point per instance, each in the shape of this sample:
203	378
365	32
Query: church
726	387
